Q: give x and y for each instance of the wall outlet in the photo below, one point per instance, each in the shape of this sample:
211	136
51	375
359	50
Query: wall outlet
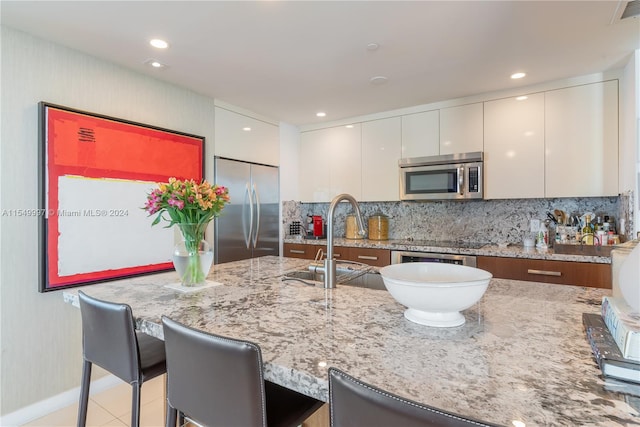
534	225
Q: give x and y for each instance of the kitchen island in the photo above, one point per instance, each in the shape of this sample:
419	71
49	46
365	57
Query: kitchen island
520	356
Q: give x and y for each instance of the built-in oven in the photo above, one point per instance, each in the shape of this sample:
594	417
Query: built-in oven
399	257
446	177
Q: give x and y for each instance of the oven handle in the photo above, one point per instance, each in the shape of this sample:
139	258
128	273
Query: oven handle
461	180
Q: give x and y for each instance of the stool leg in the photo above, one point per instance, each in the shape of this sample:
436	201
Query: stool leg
84	394
135	405
172	414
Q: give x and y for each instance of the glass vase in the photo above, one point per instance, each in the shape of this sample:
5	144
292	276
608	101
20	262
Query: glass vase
192	255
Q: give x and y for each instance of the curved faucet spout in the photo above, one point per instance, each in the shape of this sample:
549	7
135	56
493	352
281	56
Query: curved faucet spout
330	263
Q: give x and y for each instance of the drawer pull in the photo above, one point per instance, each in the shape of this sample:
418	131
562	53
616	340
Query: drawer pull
545	273
296	251
368	257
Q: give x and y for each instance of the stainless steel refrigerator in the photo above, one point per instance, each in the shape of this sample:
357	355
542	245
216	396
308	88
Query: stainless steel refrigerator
249	225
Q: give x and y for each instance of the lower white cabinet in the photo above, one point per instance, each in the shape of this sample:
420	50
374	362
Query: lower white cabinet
241	137
381	148
330	163
514	147
581	141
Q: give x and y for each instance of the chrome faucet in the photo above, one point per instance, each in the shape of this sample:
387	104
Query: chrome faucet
329	262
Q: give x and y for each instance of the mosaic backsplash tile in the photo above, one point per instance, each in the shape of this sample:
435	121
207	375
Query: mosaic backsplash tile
488	221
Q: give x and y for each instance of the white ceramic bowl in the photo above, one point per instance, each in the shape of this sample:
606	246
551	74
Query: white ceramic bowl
435	293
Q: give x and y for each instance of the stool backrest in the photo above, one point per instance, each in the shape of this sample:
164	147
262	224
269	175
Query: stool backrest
215	380
109	337
355	403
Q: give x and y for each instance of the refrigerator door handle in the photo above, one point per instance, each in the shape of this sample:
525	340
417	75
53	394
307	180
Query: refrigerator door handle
247	235
256	199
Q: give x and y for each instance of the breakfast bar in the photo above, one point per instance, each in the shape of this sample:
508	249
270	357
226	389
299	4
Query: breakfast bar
521	358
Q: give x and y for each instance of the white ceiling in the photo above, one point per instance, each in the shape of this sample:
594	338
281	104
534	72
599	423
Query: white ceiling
289	59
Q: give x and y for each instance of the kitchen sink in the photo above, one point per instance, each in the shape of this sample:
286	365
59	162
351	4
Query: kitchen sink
369	280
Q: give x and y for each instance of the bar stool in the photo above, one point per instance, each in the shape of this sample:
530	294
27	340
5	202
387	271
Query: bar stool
109	340
355	403
218	381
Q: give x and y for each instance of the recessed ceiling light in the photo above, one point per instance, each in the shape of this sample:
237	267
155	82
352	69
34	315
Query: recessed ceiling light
246	129
155	63
160	44
378	80
373	46
521	98
321	114
349	126
517	75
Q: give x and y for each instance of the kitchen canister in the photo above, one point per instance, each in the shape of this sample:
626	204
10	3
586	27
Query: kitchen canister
378	226
351	228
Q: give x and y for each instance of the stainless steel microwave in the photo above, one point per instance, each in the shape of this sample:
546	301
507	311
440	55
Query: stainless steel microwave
446	177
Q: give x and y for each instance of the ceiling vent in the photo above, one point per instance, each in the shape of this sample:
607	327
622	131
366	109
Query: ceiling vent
632	10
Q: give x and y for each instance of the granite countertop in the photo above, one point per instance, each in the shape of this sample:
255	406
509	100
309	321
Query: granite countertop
521	355
511	251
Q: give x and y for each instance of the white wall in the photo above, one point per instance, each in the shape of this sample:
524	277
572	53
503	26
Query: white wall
289	161
289	168
629	133
40	334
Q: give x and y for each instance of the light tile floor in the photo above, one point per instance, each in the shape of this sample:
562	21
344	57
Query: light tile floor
112	408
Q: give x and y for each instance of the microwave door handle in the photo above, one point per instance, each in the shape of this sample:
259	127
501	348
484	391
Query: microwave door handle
461	180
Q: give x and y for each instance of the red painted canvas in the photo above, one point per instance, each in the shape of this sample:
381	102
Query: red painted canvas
96	171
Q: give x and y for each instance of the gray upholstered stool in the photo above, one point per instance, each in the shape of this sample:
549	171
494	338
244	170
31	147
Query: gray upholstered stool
354	403
109	340
218	381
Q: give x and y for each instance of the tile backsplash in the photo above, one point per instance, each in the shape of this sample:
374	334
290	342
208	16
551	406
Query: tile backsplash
488	221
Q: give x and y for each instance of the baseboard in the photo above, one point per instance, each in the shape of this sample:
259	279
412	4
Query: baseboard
55	403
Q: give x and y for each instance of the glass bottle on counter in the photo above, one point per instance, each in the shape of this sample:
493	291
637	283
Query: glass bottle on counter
587	231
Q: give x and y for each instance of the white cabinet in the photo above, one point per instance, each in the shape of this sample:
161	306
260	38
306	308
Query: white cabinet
461	129
244	138
381	148
313	180
514	147
581	141
330	163
421	134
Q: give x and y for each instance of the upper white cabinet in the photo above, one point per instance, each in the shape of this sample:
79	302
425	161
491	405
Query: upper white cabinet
461	129
381	150
557	143
421	134
330	163
514	147
244	138
581	141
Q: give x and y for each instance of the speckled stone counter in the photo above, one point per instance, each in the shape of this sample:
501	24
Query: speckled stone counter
511	251
521	355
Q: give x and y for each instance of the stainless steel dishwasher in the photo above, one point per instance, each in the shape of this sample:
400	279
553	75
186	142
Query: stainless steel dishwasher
399	257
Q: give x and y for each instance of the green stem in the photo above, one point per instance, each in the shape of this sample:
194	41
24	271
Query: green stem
192	234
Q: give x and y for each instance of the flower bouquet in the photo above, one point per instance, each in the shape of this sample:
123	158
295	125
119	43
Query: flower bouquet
190	206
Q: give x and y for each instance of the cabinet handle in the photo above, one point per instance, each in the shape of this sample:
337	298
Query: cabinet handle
296	251
337	255
545	273
372	258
